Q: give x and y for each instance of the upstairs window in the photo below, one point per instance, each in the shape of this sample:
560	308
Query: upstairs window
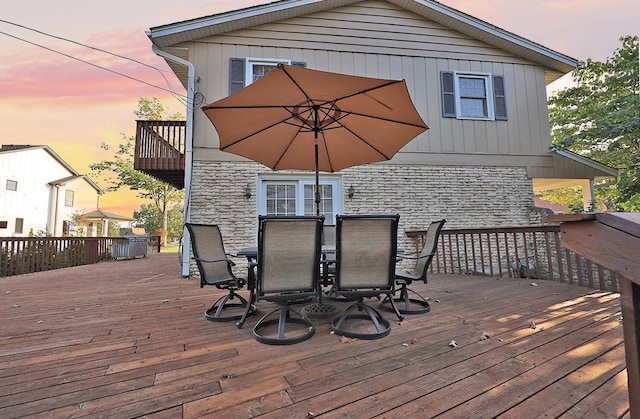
469	95
244	71
12	185
68	198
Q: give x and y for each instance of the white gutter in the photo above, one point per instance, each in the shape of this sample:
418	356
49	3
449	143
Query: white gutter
188	157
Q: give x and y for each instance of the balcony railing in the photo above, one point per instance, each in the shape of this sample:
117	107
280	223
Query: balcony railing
515	252
160	149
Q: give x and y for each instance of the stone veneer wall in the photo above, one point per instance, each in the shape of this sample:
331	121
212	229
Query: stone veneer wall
467	197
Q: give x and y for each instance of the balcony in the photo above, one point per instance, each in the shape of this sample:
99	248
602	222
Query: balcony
160	149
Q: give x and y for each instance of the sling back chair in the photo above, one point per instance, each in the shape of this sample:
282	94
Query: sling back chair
215	269
288	272
366	248
410	301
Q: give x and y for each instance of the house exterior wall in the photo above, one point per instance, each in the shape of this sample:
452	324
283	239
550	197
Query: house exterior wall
34	201
379	39
473	173
464	196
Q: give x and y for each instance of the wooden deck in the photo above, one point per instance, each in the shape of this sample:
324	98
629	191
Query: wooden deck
128	338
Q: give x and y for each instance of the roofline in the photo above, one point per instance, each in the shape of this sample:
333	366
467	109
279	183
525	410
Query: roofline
491	29
586	161
67	179
48	150
108	215
431	9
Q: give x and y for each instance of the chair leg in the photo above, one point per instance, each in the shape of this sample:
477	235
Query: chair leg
382	326
249	310
413	303
282	322
216	311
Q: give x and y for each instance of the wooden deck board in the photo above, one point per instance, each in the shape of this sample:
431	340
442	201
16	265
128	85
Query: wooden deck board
129	339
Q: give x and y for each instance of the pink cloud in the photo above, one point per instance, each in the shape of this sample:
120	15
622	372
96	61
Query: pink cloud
37	75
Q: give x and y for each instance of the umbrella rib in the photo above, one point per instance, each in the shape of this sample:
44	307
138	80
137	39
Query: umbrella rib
395	121
239	140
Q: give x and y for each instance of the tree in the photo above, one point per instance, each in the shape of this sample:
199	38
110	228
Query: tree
150	218
599	117
120	171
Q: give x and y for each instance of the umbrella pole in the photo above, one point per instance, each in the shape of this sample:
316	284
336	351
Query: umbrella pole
316	128
317	196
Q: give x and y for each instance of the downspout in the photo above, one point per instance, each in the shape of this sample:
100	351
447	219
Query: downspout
188	156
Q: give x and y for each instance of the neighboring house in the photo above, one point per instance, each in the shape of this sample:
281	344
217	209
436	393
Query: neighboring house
40	192
98	223
481	90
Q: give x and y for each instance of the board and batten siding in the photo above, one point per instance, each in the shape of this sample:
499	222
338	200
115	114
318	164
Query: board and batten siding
379	39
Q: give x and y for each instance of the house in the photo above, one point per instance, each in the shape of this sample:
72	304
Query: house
481	90
98	223
40	193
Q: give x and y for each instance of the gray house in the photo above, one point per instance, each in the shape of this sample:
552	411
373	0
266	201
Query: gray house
481	90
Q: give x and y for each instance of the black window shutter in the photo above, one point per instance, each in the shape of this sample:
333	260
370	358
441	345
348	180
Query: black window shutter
236	75
500	98
299	64
448	94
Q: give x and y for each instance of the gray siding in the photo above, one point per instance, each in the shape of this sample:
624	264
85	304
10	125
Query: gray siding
378	39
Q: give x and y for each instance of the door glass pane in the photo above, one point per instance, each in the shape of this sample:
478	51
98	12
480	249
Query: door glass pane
281	199
326	202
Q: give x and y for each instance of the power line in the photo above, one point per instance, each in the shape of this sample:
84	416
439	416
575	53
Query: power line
169	89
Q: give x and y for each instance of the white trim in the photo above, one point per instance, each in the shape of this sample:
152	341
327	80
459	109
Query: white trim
300	180
489	96
249	62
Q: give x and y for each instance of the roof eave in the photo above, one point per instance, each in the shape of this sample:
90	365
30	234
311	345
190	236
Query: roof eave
557	64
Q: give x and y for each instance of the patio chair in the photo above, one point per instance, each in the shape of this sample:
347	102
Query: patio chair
288	272
410	301
215	269
366	248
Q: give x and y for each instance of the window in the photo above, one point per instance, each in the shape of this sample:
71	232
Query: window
469	95
19	225
244	71
289	196
66	228
12	185
68	198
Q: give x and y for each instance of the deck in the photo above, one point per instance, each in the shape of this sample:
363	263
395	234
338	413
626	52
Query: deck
128	338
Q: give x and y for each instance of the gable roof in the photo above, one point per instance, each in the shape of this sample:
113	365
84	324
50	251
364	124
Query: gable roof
68	179
175	33
100	215
598	170
14	148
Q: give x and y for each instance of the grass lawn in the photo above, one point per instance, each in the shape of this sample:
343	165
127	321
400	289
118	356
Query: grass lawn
170	249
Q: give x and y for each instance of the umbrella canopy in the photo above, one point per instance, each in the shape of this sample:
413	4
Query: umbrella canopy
297	118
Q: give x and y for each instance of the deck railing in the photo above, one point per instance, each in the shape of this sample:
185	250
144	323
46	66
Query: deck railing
21	255
515	252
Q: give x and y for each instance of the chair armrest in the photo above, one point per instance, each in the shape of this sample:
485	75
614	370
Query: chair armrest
401	257
216	260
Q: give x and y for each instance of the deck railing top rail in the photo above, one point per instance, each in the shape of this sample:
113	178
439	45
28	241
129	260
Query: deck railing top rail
533	252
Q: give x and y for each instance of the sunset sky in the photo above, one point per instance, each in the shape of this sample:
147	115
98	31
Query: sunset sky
71	106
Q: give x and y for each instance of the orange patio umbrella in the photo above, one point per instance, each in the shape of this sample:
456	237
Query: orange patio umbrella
298	118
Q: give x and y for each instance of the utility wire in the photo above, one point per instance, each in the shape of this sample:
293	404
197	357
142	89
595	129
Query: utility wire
180	97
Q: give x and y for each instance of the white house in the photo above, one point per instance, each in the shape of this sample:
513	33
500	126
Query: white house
40	192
